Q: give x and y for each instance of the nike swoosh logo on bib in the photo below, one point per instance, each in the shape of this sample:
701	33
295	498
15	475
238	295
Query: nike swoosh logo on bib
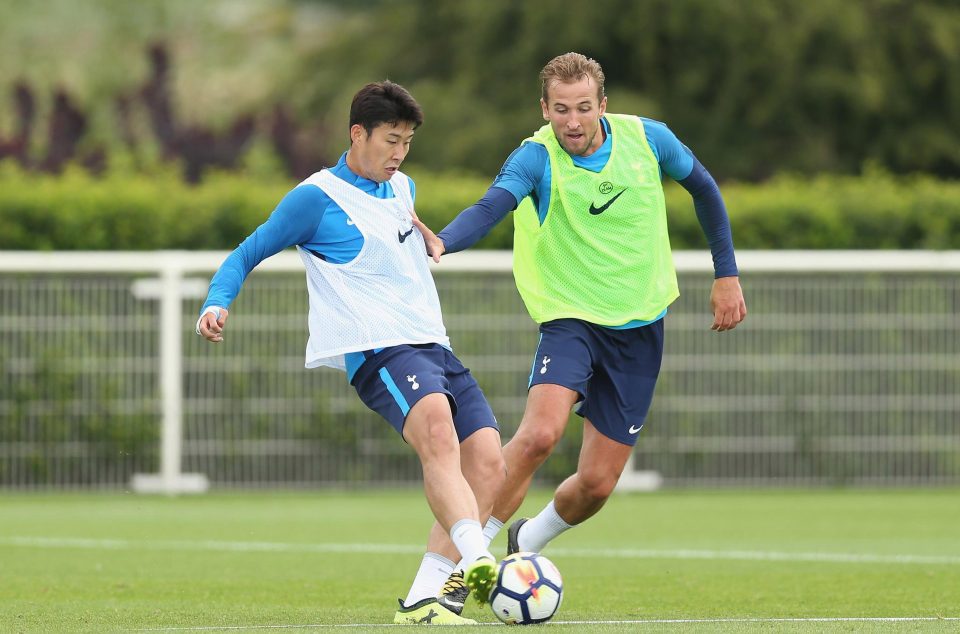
404	236
596	211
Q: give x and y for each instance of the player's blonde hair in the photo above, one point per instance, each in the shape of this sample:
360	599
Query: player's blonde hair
570	68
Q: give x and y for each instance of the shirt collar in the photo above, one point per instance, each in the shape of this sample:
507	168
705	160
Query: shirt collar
343	170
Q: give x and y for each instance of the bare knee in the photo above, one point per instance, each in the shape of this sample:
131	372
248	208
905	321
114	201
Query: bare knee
440	436
539	440
597	484
544	419
431	433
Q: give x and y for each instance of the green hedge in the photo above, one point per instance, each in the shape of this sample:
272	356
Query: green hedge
876	211
78	212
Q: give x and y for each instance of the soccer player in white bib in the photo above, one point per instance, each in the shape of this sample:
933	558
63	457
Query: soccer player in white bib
374	314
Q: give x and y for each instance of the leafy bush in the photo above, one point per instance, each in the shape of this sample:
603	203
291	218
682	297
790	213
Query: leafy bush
136	212
876	211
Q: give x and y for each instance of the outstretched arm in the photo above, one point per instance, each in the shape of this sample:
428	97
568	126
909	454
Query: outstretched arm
295	220
518	177
476	221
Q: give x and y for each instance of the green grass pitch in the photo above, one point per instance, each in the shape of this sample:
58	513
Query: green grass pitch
672	561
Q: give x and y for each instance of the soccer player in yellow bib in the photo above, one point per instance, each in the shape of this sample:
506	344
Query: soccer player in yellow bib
593	265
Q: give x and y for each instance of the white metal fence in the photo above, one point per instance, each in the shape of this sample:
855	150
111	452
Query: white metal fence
847	371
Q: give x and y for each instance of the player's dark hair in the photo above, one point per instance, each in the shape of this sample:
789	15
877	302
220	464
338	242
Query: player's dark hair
384	102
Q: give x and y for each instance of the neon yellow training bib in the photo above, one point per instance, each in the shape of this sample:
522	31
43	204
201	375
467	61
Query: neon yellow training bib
602	254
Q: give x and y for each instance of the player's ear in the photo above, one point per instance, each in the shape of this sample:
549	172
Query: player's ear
543	107
356	133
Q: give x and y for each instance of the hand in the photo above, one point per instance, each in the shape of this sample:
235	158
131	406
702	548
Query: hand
211	323
726	301
435	246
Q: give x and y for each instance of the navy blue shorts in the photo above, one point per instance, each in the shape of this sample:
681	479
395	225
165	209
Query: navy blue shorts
614	371
393	380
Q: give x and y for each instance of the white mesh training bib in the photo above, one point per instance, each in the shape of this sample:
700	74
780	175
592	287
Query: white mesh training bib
383	297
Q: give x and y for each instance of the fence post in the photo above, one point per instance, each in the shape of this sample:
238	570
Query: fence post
171	292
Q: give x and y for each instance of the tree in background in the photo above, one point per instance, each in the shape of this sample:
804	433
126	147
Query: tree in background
759	87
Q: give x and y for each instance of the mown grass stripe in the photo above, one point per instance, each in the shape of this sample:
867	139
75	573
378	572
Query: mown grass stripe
371	548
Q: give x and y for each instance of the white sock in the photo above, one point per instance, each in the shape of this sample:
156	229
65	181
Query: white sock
490	530
468	537
537	532
433	573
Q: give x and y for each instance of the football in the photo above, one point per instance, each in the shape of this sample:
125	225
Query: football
529	589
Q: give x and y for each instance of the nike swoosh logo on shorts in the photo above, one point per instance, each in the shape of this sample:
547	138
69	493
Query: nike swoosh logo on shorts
596	211
635	431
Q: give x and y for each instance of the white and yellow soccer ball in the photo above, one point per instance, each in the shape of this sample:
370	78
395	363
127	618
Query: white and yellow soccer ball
529	589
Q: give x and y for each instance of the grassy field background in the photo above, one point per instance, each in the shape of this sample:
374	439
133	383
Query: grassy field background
673	561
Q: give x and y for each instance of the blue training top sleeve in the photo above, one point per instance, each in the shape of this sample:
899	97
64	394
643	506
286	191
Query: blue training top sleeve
523	170
518	178
476	221
678	162
712	214
294	221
